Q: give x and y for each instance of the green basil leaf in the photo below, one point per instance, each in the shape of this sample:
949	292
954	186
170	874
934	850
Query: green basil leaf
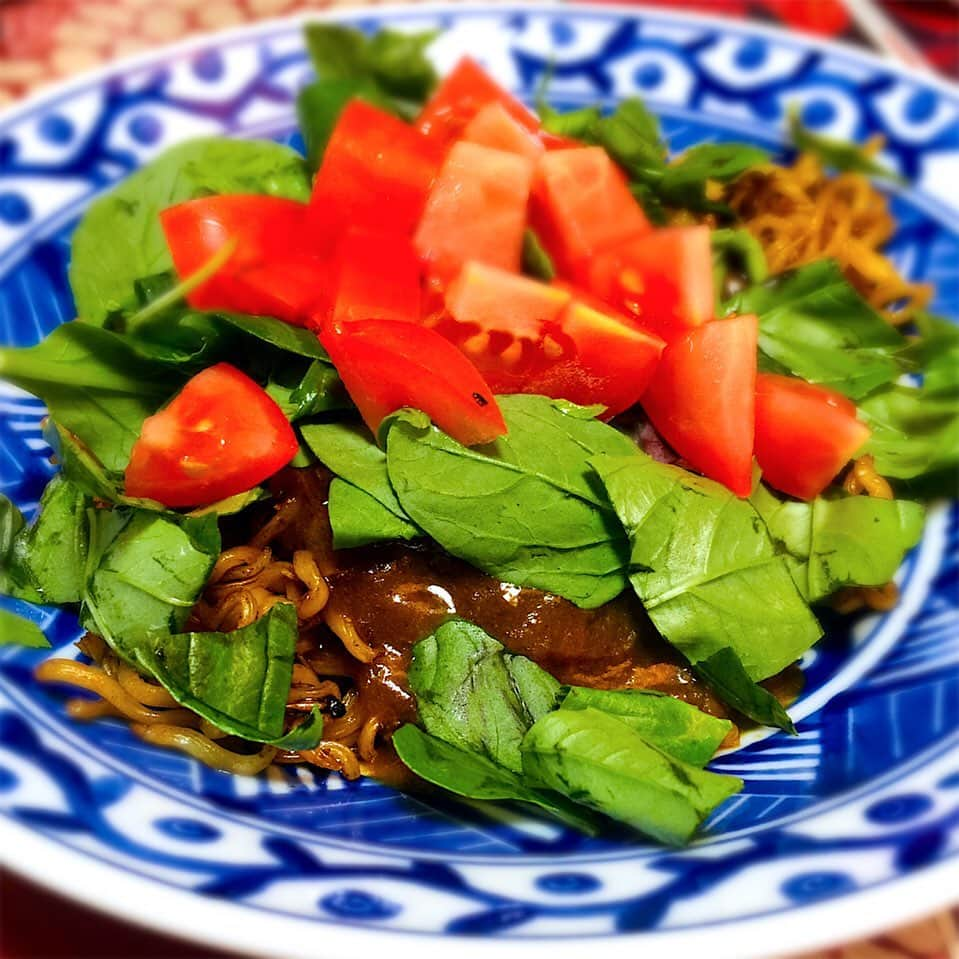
813	324
724	672
17	631
840	540
665	722
701	557
466	695
358	519
239	681
119	238
148	570
526	508
536	261
473	776
839	155
95	384
605	764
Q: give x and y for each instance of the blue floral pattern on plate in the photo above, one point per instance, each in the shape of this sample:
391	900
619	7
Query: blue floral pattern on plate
865	799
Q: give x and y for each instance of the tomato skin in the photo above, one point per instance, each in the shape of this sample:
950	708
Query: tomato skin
376	173
219	436
580	205
662	279
386	365
702	399
476	210
805	434
274	270
461	95
494	127
377	277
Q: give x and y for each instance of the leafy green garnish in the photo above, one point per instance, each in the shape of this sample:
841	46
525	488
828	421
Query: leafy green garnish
840	540
17	631
665	722
839	155
536	261
737	255
284	336
526	508
814	325
685	181
119	240
603	763
358	519
724	672
302	387
705	567
11	523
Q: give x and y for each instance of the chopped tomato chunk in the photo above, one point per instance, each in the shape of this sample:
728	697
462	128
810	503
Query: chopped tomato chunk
581	205
376	173
702	399
663	279
462	94
476	210
274	270
494	127
386	365
805	434
377	277
221	435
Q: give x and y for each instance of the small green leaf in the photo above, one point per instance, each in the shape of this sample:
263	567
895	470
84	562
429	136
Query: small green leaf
17	631
358	519
536	261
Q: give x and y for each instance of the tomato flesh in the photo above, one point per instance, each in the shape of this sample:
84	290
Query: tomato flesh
376	173
476	210
387	365
662	279
274	269
378	277
702	399
221	435
462	94
581	205
805	434
494	127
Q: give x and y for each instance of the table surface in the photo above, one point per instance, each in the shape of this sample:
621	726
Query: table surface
42	41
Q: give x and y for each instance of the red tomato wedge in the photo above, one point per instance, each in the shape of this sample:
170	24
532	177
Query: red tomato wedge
376	173
805	434
377	277
476	210
527	337
581	204
386	365
662	279
702	399
221	435
274	270
494	127
461	95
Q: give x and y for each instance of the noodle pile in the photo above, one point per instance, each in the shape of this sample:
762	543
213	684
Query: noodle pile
800	214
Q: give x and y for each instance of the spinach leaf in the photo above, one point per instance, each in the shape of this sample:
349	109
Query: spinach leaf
348	450
358	519
840	540
239	681
737	258
839	155
936	353
17	631
231	505
303	388
536	261
466	694
284	336
473	776
705	567
119	239
725	674
685	182
146	571
11	523
813	324
45	561
95	384
526	508
601	762
669	724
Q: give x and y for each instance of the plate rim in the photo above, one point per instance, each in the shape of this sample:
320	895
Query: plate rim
186	914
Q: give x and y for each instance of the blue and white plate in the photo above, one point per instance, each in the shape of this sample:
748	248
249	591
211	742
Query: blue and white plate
851	826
